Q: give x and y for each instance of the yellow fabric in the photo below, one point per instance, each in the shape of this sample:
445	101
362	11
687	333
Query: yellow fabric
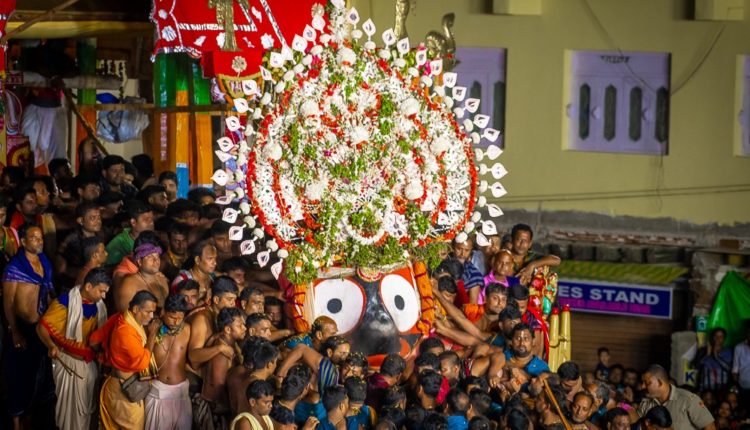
55	320
254	423
117	412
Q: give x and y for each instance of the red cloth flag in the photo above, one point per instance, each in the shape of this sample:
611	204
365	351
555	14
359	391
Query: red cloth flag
196	27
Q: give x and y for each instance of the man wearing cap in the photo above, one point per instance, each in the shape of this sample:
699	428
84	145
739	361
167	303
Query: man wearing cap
147	257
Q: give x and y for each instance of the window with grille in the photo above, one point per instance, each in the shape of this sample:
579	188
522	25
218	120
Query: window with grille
482	72
618	102
742	125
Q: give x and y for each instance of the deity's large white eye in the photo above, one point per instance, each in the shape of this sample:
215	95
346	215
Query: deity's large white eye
342	300
400	300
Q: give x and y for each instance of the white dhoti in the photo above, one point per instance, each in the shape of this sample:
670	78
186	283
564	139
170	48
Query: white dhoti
168	407
47	129
75	396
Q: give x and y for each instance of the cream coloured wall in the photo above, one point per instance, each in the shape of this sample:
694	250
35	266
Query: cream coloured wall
691	183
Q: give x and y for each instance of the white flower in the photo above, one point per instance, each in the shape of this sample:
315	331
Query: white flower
274	151
439	145
359	134
314	191
346	56
267	41
168	33
413	190
410	106
309	108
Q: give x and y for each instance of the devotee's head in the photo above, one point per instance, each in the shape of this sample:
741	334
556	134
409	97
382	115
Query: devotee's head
603	355
502	263
600	392
87	188
336	348
252	300
224	293
154	196
435	421
143	306
630	378
295	385
617	419
184	211
322	328
536	385
32	238
231	323
235	267
260	397
113	170
433	345
12	177
356	390
450	266
570	375
260	354
202	257
4	203
88	155
274	308
141	217
462	250
476	383
656	382
657	418
168	180
95	285
175	309
201	196
480	422
148	258
393	365
335	400
219	236
615	374
583	404
508	318
546	403
305	376
496	298
43	189
89	217
493	247
391	418
480	403
26	204
429	384
521	337
355	365
447	285
506	242
394	397
450	366
520	296
144	164
427	361
258	325
112	202
522	235
457	402
190	289
94	252
177	235
282	418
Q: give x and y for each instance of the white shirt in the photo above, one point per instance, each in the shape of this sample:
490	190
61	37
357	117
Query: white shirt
741	364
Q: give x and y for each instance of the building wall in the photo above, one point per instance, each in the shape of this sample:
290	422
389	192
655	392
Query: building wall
702	109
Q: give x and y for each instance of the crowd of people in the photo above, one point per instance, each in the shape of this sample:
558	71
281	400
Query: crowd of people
126	307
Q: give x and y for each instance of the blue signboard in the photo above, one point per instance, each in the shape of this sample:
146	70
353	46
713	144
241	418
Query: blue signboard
619	299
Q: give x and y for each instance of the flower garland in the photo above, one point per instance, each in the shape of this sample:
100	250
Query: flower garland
360	160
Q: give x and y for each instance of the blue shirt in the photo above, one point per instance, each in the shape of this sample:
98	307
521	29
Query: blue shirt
304	410
457	422
363	418
535	367
472	277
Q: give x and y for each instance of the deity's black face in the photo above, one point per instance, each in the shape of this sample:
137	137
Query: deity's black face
378	314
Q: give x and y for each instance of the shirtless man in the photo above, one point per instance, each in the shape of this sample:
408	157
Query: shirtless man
168	403
203	323
27	291
148	258
200	266
230	327
260	325
259	358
